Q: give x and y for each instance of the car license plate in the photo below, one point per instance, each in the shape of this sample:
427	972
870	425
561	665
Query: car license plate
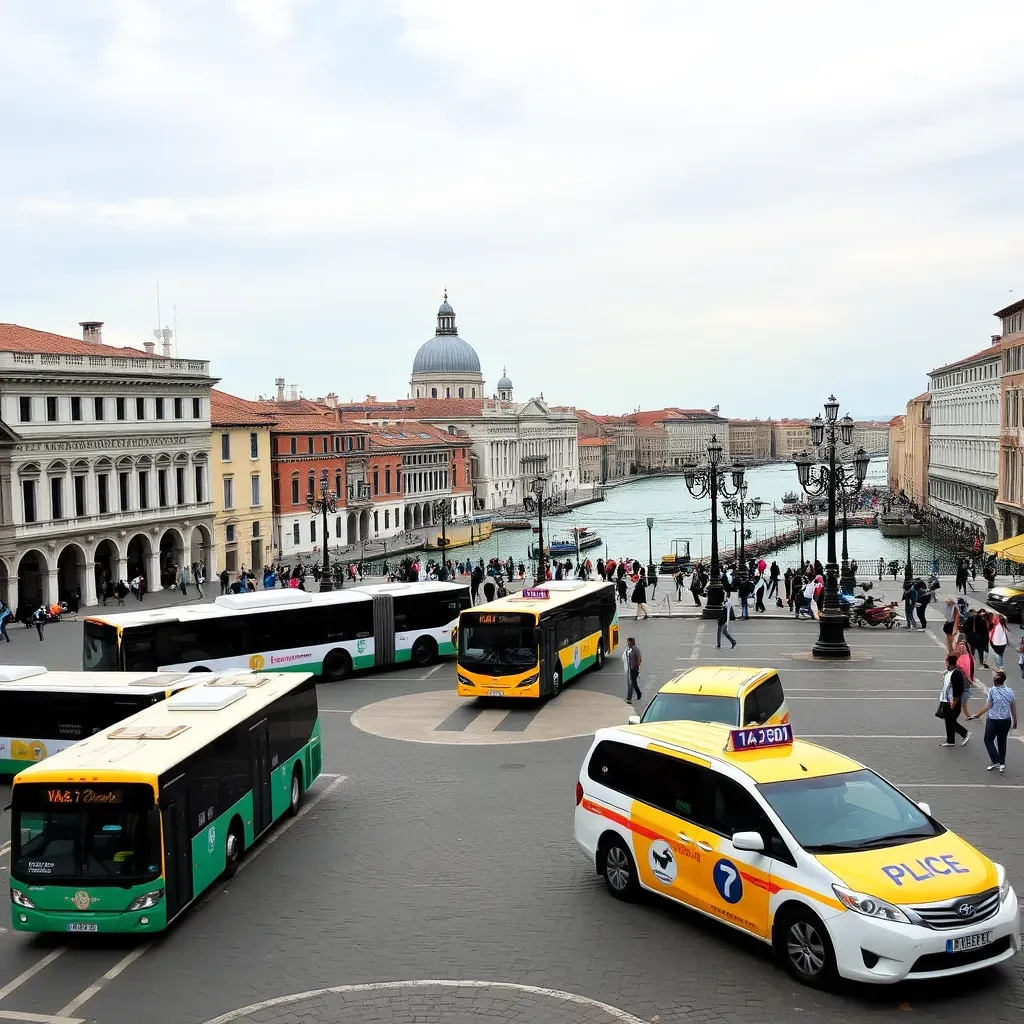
495	693
79	927
966	942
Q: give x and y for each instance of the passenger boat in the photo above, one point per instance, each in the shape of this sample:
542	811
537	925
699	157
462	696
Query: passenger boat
568	546
513	524
897	526
790	498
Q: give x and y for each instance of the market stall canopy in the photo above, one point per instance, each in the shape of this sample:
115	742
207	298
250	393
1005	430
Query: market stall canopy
1012	548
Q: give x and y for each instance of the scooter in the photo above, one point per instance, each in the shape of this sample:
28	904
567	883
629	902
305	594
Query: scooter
871	614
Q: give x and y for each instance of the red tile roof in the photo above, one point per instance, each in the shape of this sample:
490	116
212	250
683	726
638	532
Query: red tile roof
592	442
15	338
229	411
412	433
992	351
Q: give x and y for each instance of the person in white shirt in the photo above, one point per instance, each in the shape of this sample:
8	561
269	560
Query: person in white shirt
998	638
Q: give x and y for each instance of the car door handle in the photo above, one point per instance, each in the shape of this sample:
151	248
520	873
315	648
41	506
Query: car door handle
706	847
684	837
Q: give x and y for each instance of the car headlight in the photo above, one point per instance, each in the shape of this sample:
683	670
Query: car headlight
1004	882
147	900
870	906
17	896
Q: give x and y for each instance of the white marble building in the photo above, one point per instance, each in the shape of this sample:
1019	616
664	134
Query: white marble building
963	457
104	464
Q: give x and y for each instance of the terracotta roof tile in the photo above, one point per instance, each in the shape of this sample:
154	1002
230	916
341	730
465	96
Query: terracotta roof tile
15	338
230	411
593	442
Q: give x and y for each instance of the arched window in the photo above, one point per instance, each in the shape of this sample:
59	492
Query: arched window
433	392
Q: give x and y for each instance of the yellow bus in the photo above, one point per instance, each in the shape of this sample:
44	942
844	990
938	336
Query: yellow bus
529	644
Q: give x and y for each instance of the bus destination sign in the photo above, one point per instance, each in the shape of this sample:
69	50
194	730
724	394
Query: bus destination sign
535	593
502	619
92	795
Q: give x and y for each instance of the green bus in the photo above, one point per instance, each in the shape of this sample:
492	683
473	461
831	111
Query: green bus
124	830
332	633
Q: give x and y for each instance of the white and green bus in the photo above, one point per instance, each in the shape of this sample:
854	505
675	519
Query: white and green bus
122	831
332	634
42	712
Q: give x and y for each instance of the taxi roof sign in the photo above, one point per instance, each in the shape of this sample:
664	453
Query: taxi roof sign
535	594
760	737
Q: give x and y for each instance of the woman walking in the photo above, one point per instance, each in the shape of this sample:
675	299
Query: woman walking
950	703
998	638
1001	708
952	624
725	616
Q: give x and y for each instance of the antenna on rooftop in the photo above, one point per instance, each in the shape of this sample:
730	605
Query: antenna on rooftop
163	335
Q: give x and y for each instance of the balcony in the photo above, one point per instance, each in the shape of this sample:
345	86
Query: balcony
135	521
145	365
359	494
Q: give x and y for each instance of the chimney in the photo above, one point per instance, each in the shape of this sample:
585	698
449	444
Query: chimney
150	347
996	338
371	399
92	331
279	383
294	393
331	401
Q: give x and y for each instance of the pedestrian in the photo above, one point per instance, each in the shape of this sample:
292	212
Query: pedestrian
952	625
998	638
743	589
773	577
965	662
981	631
695	590
788	580
183	581
5	614
909	600
725	616
39	619
224	581
950	706
197	576
924	595
632	659
759	591
640	596
1001	708
678	580
137	584
881	568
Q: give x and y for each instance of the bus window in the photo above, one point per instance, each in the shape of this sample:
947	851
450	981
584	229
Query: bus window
99	647
424	611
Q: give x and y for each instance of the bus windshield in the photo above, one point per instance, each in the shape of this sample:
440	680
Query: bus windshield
85	834
497	644
99	647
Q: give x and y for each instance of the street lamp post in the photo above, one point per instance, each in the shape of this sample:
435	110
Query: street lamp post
831	479
538	490
908	573
740	508
326	504
443	511
650	550
710	481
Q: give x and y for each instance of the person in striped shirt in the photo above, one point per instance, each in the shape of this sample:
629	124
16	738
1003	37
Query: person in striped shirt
1001	708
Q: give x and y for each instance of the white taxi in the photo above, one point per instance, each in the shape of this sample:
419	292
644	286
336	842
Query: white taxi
800	846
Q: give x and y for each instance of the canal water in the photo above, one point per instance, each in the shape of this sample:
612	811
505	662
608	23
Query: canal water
621	521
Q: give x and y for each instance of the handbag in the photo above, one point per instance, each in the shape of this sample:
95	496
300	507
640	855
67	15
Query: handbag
940	711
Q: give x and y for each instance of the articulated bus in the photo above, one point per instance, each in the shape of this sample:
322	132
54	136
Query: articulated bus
123	830
529	644
331	634
42	712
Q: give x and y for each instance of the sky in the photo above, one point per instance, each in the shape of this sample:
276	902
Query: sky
631	205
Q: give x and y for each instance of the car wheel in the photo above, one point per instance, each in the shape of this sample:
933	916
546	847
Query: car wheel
620	871
599	661
556	682
806	950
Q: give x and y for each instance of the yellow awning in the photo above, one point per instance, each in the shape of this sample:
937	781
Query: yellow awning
1012	548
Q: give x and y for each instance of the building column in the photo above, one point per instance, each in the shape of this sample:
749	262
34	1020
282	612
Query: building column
89	587
122	571
12	591
152	561
50	589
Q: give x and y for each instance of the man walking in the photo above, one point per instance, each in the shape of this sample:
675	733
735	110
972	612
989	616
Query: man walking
724	617
640	596
773	578
633	660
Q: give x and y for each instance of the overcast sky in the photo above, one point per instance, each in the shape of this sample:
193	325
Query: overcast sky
631	204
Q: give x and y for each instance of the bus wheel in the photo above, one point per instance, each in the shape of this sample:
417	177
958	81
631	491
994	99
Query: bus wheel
556	682
337	666
424	652
599	661
233	849
296	793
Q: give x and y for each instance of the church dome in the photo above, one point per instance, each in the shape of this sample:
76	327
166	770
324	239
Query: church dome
504	384
446	352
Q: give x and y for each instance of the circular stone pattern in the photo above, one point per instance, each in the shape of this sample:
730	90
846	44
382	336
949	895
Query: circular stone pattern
430	1002
444	717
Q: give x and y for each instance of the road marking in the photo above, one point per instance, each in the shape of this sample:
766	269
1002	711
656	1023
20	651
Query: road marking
959	785
41	1018
31	972
87	993
866	698
385	986
335	711
6	848
863	736
436	668
698	637
856	689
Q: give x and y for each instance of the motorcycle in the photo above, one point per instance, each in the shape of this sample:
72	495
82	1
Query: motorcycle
871	614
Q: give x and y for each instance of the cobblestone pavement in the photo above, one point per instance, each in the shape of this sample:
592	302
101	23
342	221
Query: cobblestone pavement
457	863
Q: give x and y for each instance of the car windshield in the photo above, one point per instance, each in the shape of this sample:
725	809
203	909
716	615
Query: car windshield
853	811
77	835
692	707
99	647
498	650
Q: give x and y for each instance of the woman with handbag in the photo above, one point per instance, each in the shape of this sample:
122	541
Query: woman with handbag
949	708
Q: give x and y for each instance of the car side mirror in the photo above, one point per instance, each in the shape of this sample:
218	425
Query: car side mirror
634	719
748	841
925	807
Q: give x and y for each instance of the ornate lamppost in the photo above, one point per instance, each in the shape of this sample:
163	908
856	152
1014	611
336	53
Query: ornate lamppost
650	552
326	504
443	513
741	509
702	482
538	490
831	479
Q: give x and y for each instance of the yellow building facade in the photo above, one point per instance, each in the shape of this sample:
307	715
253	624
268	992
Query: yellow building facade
241	484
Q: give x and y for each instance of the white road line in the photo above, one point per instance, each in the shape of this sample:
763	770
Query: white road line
332	775
31	972
933	698
864	736
87	993
958	785
698	637
6	848
436	668
40	1018
857	689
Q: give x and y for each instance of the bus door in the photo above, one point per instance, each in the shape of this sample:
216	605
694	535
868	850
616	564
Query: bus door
259	770
383	629
548	653
177	845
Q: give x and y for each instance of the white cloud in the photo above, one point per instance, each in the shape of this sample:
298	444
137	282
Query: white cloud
621	198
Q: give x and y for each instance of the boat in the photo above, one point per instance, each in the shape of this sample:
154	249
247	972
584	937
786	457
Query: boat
790	498
581	539
897	526
513	524
678	559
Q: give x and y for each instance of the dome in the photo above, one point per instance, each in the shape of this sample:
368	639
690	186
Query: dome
445	307
446	353
504	384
